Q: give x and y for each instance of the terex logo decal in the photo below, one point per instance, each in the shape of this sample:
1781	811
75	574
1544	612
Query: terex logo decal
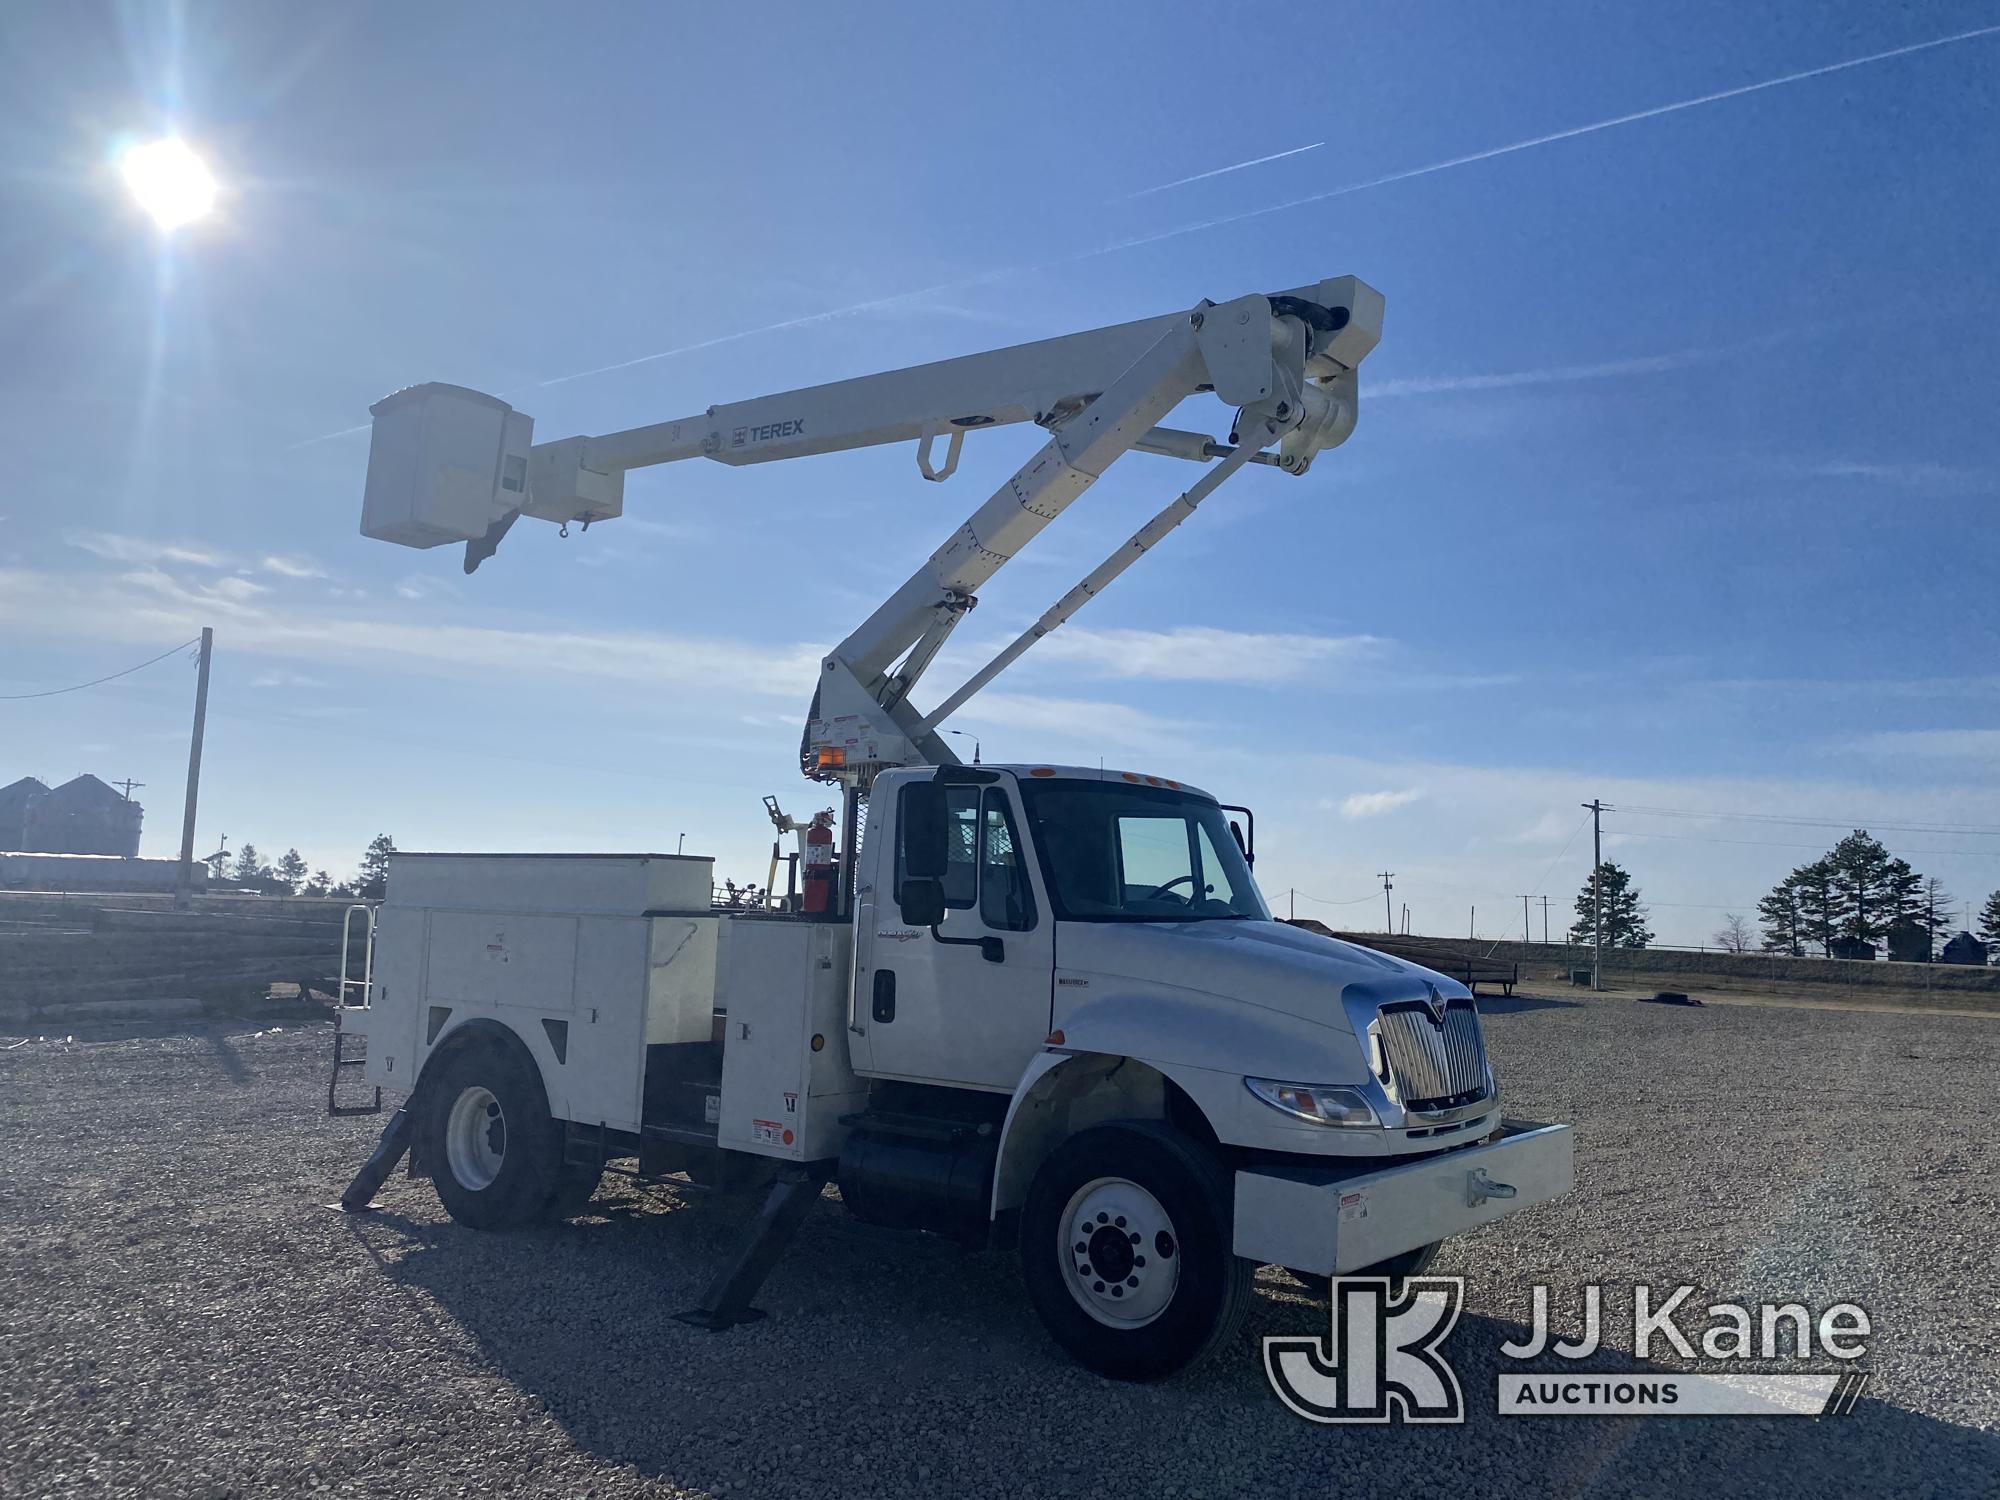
790	427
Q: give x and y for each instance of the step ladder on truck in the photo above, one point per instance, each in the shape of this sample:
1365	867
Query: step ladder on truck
1044	1006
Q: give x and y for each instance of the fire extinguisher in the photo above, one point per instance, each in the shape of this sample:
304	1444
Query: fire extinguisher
821	871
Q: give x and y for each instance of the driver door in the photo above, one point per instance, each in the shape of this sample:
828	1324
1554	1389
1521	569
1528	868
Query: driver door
967	1002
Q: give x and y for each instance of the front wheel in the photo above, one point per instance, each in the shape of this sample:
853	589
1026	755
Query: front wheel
1126	1249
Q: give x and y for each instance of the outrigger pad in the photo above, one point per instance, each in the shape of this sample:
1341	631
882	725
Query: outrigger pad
701	1317
726	1302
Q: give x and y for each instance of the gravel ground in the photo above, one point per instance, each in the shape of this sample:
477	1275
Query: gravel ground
180	1315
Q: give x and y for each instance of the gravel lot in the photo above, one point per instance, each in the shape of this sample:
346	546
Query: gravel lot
180	1315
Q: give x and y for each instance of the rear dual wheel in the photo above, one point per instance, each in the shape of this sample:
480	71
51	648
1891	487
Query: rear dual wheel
494	1151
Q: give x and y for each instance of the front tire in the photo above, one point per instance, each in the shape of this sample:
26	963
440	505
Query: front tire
494	1152
1127	1251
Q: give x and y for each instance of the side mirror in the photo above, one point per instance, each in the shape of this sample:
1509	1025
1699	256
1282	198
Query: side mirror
1247	845
924	835
921	902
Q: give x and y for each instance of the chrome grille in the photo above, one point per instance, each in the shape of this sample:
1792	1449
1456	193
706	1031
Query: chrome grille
1432	1064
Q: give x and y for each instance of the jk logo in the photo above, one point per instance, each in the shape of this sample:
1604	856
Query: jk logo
1380	1355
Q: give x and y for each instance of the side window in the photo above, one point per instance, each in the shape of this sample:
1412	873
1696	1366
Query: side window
961	870
1006	900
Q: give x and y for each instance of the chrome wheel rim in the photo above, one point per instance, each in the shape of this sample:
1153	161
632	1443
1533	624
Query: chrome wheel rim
475	1138
1119	1251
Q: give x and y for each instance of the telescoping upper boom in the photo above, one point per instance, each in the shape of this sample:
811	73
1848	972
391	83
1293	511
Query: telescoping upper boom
447	464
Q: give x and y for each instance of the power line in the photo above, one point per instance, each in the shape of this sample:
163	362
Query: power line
1695	838
79	687
1810	822
1560	853
1324	902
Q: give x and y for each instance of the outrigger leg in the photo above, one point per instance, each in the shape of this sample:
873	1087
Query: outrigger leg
360	1194
726	1302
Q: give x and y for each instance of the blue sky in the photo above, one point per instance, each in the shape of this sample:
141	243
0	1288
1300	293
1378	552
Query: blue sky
1673	484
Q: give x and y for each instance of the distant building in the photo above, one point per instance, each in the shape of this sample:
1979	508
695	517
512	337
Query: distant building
1964	949
92	872
1853	948
1909	942
82	816
15	801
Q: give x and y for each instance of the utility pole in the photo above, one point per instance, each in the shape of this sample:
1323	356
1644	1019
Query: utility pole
1596	807
184	877
1292	905
1545	921
1471	922
1525	940
127	786
1388	915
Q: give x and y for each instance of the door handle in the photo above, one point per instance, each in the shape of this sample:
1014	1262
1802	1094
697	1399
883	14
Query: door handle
884	1006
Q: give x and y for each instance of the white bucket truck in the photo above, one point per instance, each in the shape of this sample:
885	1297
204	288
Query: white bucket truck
1047	1007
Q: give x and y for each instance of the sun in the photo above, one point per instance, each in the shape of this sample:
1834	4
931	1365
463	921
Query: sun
171	183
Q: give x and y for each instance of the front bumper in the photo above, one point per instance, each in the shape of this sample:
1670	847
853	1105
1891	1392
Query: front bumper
1333	1220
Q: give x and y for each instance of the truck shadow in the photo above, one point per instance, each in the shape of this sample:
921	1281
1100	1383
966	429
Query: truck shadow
889	1365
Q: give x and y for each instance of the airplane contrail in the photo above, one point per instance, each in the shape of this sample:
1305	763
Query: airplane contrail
1255	161
1135	241
1543	140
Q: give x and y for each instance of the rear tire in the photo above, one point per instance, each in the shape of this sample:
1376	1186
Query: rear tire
1126	1249
1396	1268
494	1153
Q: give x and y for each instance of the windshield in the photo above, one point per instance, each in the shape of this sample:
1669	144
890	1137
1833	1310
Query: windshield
1113	853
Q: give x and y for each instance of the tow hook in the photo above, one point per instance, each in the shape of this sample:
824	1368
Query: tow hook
1479	1187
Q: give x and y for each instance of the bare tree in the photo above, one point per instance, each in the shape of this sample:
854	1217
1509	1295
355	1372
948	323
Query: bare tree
1736	935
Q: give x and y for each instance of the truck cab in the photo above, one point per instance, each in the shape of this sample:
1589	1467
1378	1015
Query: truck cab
1118	909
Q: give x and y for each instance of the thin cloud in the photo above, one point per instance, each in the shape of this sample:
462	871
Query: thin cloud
117	547
151	605
293	567
1976	745
1649	364
1255	161
1376	804
1203	654
1610	123
1137	241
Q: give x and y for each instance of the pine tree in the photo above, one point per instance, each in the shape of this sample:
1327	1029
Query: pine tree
1934	908
1783	916
291	872
1819	905
374	881
321	884
1624	918
1989	925
250	868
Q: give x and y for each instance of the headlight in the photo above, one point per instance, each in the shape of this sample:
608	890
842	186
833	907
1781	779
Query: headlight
1315	1104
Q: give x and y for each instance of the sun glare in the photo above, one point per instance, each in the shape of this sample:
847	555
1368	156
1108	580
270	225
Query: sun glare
170	182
